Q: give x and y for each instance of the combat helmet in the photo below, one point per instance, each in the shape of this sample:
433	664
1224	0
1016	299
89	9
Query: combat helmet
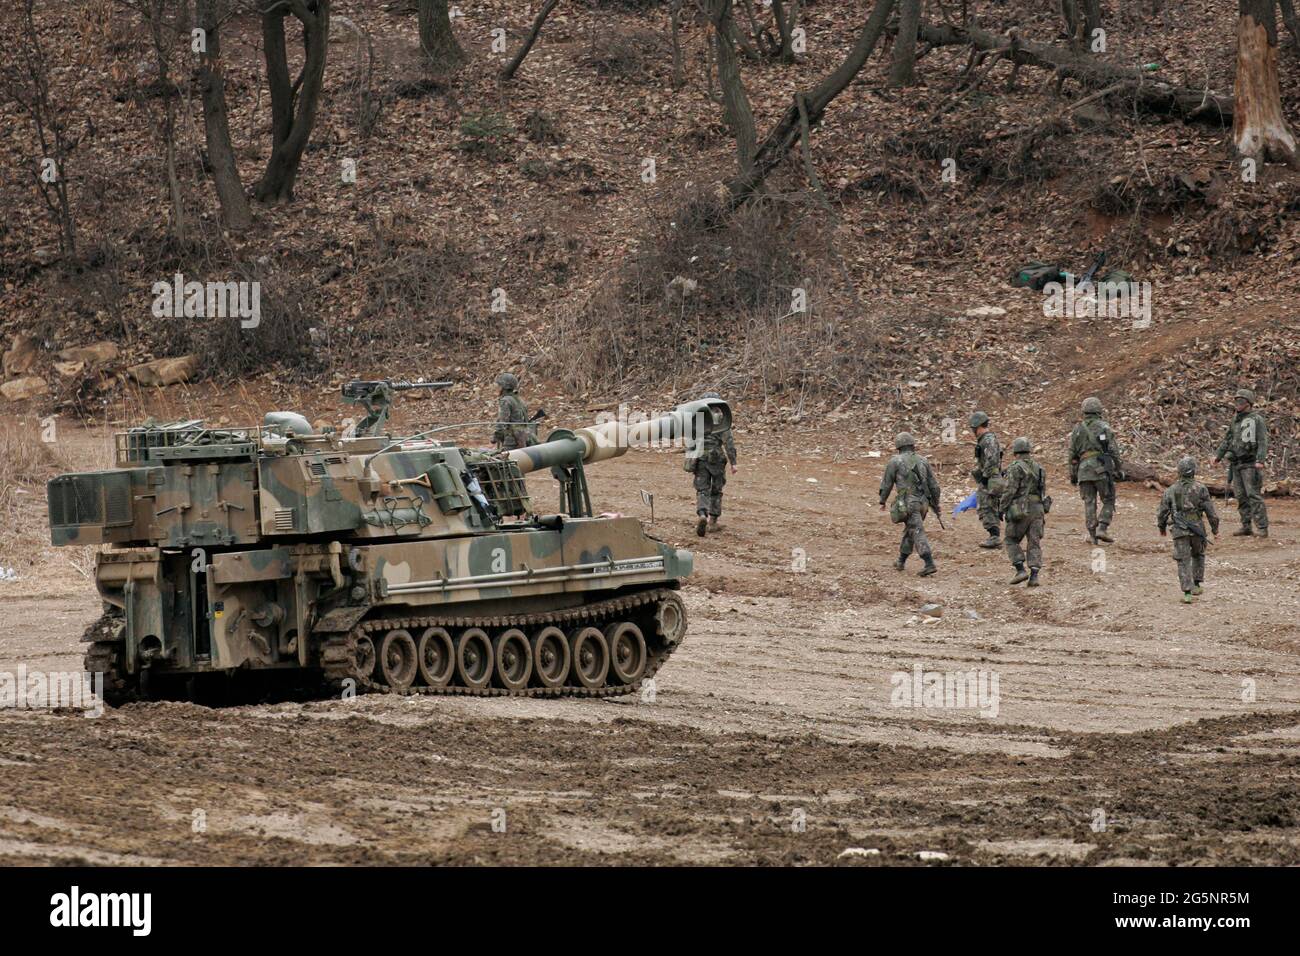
1092	406
1021	446
1246	394
978	419
1187	466
904	440
507	382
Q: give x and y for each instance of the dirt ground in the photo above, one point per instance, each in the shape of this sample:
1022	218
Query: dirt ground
1127	728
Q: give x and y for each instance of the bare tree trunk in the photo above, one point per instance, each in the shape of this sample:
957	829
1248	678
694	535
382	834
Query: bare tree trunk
1289	18
436	36
787	130
513	65
1259	129
903	70
679	68
293	106
235	212
785	27
735	103
1091	21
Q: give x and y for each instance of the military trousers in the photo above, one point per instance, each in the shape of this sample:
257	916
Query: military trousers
1030	532
1189	552
1247	488
988	510
709	480
914	536
1091	492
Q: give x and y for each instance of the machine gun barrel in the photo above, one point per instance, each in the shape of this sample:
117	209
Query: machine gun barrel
363	389
687	423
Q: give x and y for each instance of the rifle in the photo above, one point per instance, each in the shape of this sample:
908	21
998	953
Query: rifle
376	396
1087	276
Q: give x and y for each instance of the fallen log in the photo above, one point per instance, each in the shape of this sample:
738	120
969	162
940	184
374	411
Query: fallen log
1158	480
1151	95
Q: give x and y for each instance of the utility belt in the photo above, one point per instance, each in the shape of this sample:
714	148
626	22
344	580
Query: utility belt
1241	463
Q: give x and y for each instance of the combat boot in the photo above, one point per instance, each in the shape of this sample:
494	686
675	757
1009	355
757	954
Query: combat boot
1101	535
1262	532
1021	574
702	526
713	523
1033	578
994	540
1092	536
1242	533
1198	589
901	562
929	568
1187	597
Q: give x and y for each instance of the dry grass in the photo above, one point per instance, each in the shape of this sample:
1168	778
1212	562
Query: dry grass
26	463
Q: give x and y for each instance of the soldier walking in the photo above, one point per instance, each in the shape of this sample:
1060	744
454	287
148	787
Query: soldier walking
989	480
512	429
1024	504
1184	503
1094	466
1245	446
709	464
916	490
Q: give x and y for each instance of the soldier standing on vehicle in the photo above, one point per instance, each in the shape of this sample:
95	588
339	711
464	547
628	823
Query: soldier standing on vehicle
1184	503
1094	466
1245	447
512	429
1024	504
916	490
988	476
708	462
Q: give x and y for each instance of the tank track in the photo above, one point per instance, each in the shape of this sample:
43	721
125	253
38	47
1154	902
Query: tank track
339	663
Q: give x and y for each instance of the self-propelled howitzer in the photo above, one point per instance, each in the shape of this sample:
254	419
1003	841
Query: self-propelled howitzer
371	563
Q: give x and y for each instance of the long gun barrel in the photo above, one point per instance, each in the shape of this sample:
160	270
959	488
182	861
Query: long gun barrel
687	423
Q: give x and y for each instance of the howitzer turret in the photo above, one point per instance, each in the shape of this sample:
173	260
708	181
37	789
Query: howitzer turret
406	564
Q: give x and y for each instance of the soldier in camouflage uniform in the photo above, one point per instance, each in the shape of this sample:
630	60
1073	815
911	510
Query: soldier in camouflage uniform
1024	504
709	464
988	476
1094	466
1245	447
916	490
512	430
1185	502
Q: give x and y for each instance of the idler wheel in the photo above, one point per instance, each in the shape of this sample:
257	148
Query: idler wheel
590	656
514	657
398	659
670	619
550	657
474	658
436	656
627	653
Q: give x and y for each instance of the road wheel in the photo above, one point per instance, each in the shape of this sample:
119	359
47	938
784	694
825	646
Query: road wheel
550	657
397	659
514	657
627	654
436	657
474	658
590	655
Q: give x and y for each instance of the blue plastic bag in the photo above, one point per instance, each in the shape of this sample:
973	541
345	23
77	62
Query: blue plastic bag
966	504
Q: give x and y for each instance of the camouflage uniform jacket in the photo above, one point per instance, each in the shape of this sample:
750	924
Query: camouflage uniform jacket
1246	440
988	457
1092	439
1026	488
511	410
914	479
1184	503
716	450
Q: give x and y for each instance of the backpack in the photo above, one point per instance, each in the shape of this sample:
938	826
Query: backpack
1035	275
